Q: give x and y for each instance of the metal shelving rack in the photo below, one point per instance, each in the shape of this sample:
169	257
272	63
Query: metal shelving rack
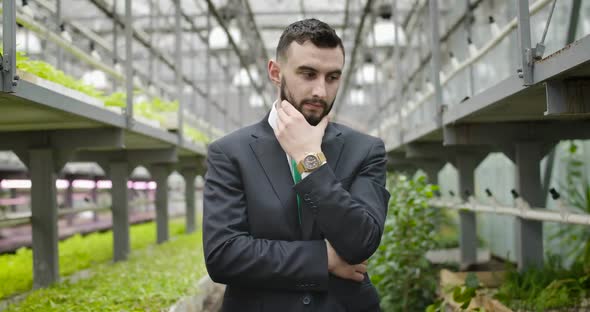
48	127
523	116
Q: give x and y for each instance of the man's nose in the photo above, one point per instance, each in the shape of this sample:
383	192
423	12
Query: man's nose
319	89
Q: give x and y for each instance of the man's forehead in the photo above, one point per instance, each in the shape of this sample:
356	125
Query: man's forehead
308	54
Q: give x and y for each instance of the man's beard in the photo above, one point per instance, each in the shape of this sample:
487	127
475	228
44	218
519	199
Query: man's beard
311	119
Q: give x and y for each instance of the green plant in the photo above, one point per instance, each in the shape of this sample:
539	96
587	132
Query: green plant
400	271
550	287
151	280
151	109
575	239
48	72
145	109
116	99
75	253
462	294
160	105
196	135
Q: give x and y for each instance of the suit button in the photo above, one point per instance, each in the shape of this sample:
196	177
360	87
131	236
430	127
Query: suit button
306	300
306	197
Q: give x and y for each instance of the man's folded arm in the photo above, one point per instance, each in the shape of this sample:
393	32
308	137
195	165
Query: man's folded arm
234	257
352	221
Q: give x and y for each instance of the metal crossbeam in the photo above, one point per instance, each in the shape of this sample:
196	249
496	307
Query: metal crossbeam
236	49
143	39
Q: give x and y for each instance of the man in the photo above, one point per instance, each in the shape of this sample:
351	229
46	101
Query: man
295	205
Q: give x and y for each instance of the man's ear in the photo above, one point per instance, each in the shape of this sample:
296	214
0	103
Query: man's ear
274	72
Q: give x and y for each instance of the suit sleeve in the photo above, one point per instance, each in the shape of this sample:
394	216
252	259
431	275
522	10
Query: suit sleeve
234	257
351	220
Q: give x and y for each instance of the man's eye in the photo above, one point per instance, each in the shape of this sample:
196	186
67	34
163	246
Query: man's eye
334	77
308	74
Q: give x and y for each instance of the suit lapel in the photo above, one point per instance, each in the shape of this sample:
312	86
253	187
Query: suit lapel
273	160
332	146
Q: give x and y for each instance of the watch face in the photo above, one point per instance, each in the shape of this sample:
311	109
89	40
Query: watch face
311	162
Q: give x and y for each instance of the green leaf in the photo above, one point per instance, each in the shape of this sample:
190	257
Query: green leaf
437	306
573	147
458	294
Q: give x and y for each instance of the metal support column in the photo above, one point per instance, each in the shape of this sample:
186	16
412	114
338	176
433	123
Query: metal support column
435	48
151	41
241	104
160	174
573	21
524	35
432	171
43	216
60	51
399	77
468	20
189	189
376	87
129	62
466	165
94	198
178	68
115	83
69	196
529	233
208	75
8	66
69	200
119	172
13	195
193	95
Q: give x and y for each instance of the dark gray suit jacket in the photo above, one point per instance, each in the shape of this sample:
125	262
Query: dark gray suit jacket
251	233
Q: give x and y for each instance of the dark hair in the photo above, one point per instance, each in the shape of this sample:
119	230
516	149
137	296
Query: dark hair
318	32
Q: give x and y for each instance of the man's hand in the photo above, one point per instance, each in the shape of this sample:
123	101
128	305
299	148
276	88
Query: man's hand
295	134
340	268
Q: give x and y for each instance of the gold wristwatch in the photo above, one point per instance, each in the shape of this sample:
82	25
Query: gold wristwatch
311	162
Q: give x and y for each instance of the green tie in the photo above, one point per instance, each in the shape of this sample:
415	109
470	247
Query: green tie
296	178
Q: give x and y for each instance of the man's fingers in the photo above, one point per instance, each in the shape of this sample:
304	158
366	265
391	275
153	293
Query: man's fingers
361	268
287	107
282	114
358	277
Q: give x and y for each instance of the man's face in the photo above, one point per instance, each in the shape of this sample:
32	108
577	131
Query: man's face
310	79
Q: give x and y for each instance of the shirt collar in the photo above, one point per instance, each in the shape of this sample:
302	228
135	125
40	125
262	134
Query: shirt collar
272	117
